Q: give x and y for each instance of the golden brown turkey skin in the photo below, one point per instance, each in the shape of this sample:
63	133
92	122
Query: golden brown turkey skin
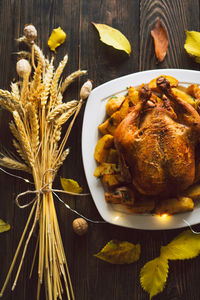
159	147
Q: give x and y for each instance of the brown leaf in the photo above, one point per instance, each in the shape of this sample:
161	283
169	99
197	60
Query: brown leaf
161	40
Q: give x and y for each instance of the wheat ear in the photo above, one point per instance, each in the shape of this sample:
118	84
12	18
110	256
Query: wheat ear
15	91
24	138
14	164
54	85
47	84
20	151
69	79
61	108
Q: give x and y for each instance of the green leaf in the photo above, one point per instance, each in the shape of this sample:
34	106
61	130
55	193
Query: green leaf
117	252
185	246
192	44
4	226
153	276
70	185
113	37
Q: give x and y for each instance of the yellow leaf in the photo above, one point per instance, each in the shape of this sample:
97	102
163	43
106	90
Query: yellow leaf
113	37
4	226
57	38
153	276
185	246
117	252
192	44
70	185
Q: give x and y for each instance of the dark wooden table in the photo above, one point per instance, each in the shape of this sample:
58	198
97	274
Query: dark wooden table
92	278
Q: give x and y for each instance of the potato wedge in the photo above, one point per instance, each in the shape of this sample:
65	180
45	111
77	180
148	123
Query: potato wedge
114	104
153	86
102	148
194	91
193	192
110	125
112	180
106	168
133	96
174	205
184	96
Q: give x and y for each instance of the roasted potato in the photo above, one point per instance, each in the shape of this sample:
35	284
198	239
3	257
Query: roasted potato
184	96
114	104
193	192
110	125
105	169
153	86
174	205
102	148
133	96
194	91
112	180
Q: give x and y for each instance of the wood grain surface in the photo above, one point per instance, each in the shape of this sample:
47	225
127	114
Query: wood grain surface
93	279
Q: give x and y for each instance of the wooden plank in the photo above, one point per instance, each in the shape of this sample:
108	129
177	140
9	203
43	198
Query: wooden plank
92	278
176	16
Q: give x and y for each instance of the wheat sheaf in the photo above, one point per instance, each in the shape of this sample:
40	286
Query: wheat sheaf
36	104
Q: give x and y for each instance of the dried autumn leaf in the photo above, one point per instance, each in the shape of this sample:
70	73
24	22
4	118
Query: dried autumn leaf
192	44
161	40
70	185
113	37
153	276
117	252
185	246
4	226
56	38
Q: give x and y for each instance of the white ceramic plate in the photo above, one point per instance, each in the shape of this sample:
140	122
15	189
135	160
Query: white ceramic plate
93	116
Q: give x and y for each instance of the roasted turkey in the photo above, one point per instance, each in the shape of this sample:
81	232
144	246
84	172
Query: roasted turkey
158	143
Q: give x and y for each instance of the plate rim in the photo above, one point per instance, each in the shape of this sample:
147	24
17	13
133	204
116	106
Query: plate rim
112	216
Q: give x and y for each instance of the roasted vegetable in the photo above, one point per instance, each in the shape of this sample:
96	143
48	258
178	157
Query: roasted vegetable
184	96
110	125
102	148
114	104
194	91
105	169
174	205
193	192
153	86
112	180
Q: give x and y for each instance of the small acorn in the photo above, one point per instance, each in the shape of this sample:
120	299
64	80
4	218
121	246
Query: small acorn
30	33
23	67
80	226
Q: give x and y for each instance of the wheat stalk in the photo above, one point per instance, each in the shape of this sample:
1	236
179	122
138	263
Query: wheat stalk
14	164
69	79
39	113
54	85
60	109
